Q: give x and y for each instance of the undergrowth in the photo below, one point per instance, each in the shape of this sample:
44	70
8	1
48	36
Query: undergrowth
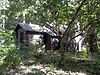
75	62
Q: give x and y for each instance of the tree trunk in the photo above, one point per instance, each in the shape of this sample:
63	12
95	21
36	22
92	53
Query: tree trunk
93	42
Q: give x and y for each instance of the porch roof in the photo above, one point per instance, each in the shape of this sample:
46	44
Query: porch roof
36	28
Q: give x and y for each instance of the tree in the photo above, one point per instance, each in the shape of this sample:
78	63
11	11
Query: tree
56	14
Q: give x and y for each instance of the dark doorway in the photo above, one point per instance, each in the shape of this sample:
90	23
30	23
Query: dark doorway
22	37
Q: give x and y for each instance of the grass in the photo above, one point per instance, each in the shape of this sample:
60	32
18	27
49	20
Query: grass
75	62
84	62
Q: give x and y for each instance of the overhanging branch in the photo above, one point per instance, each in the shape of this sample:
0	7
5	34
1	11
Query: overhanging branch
73	18
85	28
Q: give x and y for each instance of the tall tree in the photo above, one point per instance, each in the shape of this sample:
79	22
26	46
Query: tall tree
61	16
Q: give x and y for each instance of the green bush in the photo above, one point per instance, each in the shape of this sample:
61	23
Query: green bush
9	53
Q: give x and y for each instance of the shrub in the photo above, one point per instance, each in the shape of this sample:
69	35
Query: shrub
9	53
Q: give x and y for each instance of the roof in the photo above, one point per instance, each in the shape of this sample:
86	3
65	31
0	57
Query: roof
34	27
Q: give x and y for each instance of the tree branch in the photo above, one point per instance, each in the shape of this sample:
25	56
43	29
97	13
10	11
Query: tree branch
85	28
73	18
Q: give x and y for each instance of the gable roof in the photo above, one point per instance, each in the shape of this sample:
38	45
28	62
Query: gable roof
34	27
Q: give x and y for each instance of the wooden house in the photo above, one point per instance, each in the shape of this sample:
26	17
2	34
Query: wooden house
33	33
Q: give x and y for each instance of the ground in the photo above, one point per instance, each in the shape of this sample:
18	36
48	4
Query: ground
39	69
49	63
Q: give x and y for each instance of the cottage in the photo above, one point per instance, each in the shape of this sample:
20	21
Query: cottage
33	33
